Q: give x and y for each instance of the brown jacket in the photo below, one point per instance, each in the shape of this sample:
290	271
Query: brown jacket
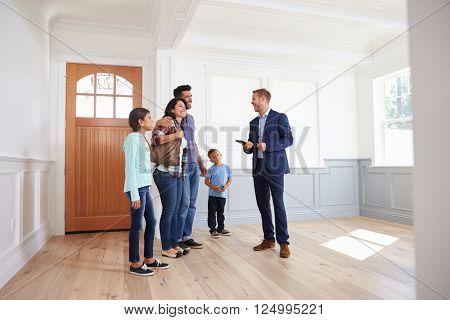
167	154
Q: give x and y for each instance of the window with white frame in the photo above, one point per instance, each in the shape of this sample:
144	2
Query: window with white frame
393	118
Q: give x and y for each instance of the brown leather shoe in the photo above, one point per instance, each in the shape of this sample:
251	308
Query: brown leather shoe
266	244
284	250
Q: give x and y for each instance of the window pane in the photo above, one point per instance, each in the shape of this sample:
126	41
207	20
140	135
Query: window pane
398	145
104	107
86	84
397	97
405	84
390	108
390	88
124	105
123	87
105	83
85	106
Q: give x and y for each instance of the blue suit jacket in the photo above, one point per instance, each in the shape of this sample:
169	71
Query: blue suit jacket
277	136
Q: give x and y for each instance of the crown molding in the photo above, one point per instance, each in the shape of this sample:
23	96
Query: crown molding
173	21
328	54
82	26
348	14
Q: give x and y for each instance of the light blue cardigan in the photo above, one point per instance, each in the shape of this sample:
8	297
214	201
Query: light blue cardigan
137	164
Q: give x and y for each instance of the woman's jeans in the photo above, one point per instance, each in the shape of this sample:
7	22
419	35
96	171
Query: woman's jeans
170	190
146	211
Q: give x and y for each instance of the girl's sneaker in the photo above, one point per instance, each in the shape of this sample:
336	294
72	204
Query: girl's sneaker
143	271
157	264
175	254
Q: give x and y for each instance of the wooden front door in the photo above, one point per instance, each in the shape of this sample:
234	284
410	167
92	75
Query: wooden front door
99	99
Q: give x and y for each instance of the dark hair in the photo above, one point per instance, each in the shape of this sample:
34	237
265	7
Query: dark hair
135	115
172	103
180	89
211	151
263	92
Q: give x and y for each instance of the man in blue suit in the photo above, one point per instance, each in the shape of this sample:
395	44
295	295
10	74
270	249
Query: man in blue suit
270	134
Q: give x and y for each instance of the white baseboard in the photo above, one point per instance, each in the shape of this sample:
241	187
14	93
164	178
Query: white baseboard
388	216
18	257
302	215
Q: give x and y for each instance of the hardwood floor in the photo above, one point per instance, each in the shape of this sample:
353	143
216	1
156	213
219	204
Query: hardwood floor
95	266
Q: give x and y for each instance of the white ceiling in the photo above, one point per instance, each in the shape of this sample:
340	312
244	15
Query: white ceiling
164	21
262	27
295	27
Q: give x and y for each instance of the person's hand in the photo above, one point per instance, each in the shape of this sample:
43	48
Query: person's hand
203	171
225	187
262	146
136	204
179	134
217	188
248	145
164	122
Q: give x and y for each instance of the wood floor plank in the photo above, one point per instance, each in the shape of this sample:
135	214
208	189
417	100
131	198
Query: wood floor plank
95	266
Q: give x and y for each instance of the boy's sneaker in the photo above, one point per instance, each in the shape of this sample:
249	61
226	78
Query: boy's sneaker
157	264
215	234
194	245
184	247
225	232
143	271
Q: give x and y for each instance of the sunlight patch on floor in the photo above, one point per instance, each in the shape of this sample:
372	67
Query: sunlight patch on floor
360	244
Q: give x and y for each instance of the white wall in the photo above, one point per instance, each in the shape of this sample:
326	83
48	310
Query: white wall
391	58
335	105
24	82
430	65
26	184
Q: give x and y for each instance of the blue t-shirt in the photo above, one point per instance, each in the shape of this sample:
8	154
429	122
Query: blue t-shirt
218	177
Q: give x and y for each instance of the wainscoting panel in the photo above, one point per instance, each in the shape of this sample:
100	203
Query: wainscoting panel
386	192
337	187
30	212
375	189
10	210
26	203
301	190
309	194
401	191
45	193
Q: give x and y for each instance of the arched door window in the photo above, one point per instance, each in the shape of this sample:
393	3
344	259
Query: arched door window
104	95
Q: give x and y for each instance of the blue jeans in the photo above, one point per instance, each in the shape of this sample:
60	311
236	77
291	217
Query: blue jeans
146	211
186	213
170	191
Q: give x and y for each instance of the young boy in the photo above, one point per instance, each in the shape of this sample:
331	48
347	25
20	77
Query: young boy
218	179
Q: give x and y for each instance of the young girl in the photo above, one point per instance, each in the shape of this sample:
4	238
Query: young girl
137	189
169	156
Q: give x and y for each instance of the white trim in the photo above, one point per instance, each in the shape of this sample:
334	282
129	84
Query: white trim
18	257
25	160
